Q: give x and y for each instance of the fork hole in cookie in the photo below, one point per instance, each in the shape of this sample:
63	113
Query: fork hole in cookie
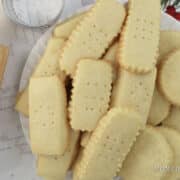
94	25
137	19
132	92
44	124
90	35
140	83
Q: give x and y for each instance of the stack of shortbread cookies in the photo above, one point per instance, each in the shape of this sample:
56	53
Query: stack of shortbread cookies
104	99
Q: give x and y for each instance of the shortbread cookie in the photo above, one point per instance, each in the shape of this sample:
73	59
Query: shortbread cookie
85	138
108	145
159	110
91	93
169	74
169	40
149	153
173	120
3	61
139	41
110	56
173	138
64	29
57	166
49	178
93	35
22	103
134	91
49	130
47	66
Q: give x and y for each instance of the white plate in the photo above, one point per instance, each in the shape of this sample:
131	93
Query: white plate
167	23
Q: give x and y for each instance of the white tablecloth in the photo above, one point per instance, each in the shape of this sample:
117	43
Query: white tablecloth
16	160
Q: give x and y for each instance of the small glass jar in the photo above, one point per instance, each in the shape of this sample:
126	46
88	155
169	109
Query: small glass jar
33	13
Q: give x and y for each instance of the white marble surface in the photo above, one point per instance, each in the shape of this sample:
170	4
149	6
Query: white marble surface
16	160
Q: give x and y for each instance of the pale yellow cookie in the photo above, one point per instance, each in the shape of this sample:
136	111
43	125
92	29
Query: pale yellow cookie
22	103
173	120
169	40
85	138
3	61
91	93
57	166
47	66
110	56
173	138
168	78
150	152
49	130
64	29
139	41
108	145
134	91
50	178
159	110
93	35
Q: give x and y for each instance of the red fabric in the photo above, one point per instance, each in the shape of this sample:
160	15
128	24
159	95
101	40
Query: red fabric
172	11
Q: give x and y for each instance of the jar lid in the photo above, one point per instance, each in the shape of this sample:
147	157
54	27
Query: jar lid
33	13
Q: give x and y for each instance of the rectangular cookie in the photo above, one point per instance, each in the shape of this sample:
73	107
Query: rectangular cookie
64	29
49	129
57	166
3	61
111	56
134	91
108	145
91	93
93	35
139	41
47	66
169	40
